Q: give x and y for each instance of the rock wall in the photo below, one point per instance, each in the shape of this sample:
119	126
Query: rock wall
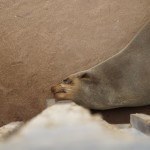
42	41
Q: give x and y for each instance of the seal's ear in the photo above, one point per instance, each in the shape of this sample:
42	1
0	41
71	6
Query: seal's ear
85	76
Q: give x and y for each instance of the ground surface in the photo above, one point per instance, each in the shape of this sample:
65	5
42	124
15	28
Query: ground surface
43	41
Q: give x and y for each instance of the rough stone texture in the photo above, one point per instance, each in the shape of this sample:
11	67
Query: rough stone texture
68	126
43	41
7	130
141	122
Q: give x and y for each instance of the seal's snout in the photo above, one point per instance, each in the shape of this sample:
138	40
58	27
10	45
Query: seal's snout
64	90
57	89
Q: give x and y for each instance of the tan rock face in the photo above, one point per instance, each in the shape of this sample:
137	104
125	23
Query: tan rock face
41	42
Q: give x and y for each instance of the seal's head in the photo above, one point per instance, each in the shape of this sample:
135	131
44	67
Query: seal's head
82	88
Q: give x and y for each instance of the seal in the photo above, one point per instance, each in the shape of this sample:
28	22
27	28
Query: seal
121	81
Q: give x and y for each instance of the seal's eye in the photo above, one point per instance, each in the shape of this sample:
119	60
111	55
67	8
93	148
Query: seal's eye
85	76
67	81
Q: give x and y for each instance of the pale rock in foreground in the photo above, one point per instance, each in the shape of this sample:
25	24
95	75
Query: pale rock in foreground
141	122
69	126
8	129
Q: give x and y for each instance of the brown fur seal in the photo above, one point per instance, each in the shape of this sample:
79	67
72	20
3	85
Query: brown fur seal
121	81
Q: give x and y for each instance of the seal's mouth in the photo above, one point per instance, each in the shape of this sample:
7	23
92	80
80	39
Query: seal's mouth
56	90
62	92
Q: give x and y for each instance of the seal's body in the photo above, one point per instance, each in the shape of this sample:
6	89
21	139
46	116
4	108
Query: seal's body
121	81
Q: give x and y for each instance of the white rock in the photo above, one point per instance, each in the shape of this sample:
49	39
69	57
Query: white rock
8	129
69	126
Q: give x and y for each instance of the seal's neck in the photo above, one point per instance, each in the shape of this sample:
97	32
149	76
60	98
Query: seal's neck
140	42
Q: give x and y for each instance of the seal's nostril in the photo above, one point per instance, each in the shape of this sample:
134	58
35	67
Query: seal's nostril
67	81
